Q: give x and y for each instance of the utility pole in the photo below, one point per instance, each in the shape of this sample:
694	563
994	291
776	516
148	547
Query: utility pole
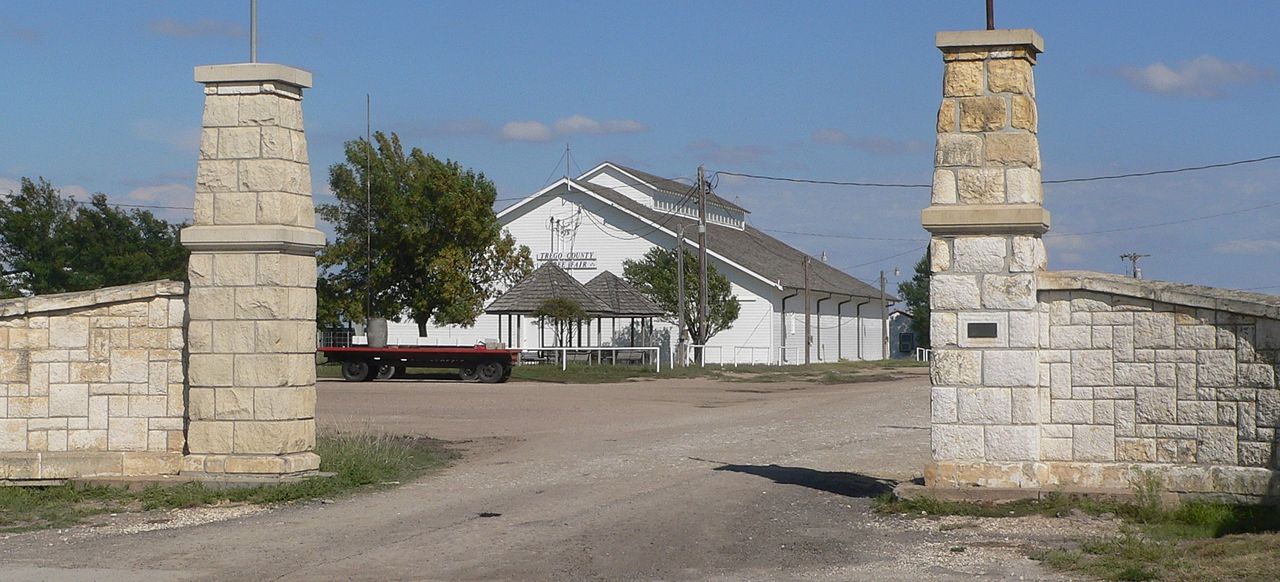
682	348
702	263
808	331
884	322
1134	271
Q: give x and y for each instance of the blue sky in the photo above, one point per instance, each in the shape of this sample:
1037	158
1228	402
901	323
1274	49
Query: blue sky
99	97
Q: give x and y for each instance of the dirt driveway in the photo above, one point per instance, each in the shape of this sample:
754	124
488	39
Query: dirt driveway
673	480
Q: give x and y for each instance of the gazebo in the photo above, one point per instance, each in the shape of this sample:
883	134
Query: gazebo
625	302
545	282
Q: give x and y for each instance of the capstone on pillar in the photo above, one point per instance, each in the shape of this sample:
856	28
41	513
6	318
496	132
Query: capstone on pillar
252	299
986	218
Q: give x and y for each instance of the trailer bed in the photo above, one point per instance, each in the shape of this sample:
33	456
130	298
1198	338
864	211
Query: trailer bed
474	363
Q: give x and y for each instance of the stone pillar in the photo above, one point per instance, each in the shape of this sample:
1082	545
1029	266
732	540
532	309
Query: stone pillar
252	299
986	219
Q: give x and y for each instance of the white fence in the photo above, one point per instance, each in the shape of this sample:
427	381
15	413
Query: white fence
924	354
600	351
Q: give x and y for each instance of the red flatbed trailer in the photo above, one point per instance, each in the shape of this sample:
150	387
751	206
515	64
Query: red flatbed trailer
474	363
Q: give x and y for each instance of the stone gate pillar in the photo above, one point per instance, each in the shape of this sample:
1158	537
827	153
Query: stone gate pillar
986	219
252	300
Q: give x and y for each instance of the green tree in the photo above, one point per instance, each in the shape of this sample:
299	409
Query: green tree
655	275
915	293
563	314
435	250
50	244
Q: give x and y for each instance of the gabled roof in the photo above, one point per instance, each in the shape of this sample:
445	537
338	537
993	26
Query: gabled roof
765	256
542	284
624	299
673	187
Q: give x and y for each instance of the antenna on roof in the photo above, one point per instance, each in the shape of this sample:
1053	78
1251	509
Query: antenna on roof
567	156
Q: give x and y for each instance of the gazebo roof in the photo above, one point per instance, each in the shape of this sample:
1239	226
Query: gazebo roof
544	283
622	298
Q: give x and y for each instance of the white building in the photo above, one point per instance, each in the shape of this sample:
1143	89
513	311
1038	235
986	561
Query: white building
612	213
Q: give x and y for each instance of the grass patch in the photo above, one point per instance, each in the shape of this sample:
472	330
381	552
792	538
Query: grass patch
1195	541
359	460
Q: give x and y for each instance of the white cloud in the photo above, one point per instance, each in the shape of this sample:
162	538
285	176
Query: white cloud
535	131
830	136
1248	247
204	27
581	124
1203	77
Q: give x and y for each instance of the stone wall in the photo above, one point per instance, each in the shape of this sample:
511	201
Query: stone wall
92	383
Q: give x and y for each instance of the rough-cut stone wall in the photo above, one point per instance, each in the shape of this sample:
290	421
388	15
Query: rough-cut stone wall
1143	381
91	383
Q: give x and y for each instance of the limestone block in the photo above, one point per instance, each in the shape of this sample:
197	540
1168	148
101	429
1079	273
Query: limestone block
203	211
290	111
1122	344
947	116
208	144
1216	445
1012	149
292	402
87	440
1153	330
262	109
1093	443
297	179
199	270
1012	443
1071	337
210	436
942	329
274	437
1071	411
233	403
1026	405
68	400
1227	413
1166	374
233	337
1024	113
1126	413
984	405
201	404
944	187
1197	412
28	406
235	207
1135	374
1267	334
262	303
1104	411
210	370
1113	318
1268	408
216	176
954	441
1027	256
1010	368
13	435
239	142
68	465
14	366
1136	450
939	255
234	269
200	337
1257	375
86	372
983	114
1008	291
956	367
147	405
980	254
127	434
1216	368
220	111
1010	76
277	142
298	144
1155	405
1023	328
283	336
69	332
1091	368
1055	449
958	149
264	175
97	412
1196	337
1256	454
157	339
962	79
262	370
129	365
980	185
1102	337
302	304
1060	380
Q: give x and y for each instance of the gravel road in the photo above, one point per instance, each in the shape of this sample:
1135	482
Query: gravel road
670	480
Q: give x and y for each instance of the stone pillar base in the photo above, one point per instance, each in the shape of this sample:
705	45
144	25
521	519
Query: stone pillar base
293	464
1257	483
74	464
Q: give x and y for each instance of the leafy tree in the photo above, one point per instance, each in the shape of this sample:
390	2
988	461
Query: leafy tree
50	244
655	275
915	293
563	314
435	251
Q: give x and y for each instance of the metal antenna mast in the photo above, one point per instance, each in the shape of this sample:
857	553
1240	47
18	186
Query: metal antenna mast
368	205
1134	271
991	14
253	31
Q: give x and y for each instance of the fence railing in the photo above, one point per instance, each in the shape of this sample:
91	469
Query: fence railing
600	351
924	355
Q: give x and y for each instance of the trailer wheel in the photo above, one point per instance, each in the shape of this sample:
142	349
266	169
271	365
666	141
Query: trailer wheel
355	371
490	372
386	372
469	373
506	371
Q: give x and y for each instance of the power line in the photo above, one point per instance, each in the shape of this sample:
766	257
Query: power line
1059	181
1168	223
883	259
840	236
